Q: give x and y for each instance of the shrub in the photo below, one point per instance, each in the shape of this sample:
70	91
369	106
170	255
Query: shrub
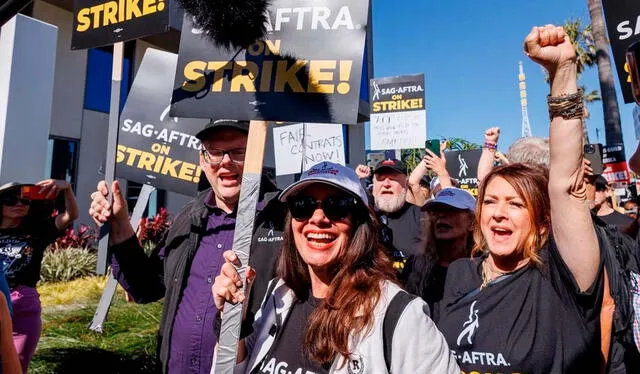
63	265
151	231
84	237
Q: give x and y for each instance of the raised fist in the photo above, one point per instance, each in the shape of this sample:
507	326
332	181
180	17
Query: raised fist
550	47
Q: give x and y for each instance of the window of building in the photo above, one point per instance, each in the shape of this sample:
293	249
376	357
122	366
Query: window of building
97	95
62	160
157	199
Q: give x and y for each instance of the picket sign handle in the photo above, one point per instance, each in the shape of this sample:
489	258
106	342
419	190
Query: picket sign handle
100	316
225	355
112	143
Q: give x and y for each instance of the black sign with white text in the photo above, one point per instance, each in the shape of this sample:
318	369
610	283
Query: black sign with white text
623	25
154	148
463	166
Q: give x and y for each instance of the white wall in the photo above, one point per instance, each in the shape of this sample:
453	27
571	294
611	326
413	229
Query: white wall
70	74
28	50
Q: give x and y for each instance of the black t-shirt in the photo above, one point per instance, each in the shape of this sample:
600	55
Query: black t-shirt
21	252
287	355
531	321
431	289
617	219
406	228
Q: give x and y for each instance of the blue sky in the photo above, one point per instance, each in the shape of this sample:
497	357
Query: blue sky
469	52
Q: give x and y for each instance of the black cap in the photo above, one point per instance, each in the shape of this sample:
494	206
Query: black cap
392	164
212	126
601	183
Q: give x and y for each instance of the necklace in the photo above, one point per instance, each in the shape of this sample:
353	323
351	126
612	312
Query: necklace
488	272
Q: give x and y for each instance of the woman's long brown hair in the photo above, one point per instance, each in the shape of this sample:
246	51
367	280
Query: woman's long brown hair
531	184
353	293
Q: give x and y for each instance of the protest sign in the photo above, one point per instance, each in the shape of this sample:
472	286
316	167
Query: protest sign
103	22
307	69
463	166
616	170
300	146
154	148
398	117
623	25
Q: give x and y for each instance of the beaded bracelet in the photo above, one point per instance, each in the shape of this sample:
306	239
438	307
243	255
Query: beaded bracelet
490	146
568	107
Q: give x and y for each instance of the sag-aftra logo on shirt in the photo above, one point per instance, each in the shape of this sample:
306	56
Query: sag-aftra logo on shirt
466	339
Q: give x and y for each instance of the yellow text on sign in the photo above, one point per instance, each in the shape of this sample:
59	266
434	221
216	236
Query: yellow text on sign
158	163
398	105
114	12
299	76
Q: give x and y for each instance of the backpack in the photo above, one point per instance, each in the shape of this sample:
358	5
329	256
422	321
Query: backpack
622	271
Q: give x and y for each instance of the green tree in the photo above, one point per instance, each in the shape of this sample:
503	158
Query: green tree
459	144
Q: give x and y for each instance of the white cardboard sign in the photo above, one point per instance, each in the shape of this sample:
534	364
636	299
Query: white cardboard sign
299	146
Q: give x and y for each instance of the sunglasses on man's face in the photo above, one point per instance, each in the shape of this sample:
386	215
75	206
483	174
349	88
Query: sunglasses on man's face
336	208
14	200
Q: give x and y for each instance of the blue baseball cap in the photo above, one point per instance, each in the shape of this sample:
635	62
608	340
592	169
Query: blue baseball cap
453	197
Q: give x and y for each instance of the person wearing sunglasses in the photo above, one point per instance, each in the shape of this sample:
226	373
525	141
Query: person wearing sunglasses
182	267
27	228
325	312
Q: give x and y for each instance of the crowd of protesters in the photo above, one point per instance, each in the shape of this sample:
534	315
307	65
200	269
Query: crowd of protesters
372	270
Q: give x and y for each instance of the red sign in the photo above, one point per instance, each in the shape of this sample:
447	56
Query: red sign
617	173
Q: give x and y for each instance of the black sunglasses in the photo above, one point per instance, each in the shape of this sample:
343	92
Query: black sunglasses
13	201
336	208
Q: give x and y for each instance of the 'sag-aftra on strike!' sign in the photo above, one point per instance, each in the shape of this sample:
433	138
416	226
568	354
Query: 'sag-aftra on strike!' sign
308	68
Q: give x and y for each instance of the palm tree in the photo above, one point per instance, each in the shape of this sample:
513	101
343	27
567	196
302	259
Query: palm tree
459	144
589	97
612	127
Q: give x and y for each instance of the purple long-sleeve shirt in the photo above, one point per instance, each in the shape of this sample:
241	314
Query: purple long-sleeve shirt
193	337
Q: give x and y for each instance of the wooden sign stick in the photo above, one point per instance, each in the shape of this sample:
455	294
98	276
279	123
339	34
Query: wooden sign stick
225	356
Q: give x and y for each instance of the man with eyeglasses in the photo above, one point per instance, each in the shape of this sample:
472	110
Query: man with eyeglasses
185	263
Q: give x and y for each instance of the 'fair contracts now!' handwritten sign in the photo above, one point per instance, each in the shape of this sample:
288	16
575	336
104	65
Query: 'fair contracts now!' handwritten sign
298	147
398	117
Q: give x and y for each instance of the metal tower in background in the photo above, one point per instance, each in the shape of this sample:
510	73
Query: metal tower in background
526	128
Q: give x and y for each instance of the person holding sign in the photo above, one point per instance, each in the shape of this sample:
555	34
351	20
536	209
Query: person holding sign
182	267
330	308
27	228
531	303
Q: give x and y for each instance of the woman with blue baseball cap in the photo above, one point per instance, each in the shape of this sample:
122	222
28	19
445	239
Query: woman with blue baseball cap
326	311
448	236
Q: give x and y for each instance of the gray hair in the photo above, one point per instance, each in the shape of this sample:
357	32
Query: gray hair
529	150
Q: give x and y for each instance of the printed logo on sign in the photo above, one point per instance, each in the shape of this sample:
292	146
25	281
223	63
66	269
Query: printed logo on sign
376	91
463	166
470	326
356	365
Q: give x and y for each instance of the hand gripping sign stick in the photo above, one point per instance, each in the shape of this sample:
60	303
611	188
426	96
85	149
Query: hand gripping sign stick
236	24
225	357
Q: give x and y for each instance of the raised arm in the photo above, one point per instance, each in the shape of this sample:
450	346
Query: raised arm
575	237
414	195
488	156
52	188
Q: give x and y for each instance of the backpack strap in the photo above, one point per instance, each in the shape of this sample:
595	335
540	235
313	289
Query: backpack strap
606	322
391	317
